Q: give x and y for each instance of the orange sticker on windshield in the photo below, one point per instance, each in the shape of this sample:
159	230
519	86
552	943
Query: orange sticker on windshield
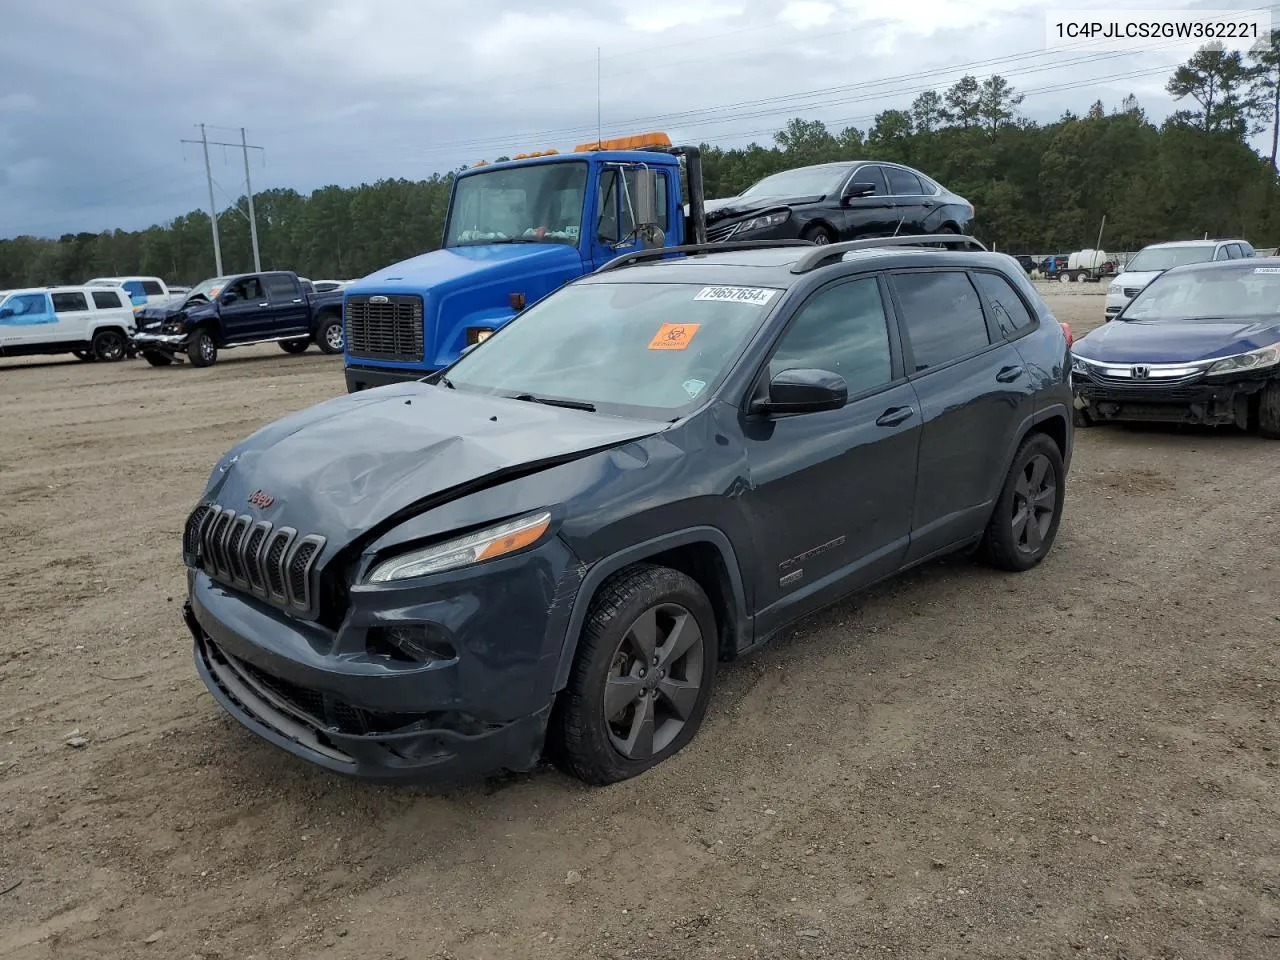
673	336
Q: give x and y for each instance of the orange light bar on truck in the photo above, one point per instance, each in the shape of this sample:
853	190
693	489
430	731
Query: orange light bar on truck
637	142
535	153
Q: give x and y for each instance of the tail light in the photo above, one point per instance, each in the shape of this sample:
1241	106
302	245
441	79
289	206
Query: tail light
1066	329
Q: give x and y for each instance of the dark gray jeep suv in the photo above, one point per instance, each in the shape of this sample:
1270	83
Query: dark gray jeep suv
551	543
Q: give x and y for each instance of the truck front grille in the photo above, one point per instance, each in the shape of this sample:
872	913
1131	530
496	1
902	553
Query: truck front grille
384	327
273	563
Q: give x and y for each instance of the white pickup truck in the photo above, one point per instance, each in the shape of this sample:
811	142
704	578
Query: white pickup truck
93	323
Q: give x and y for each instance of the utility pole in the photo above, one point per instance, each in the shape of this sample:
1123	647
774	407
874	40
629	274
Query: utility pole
205	143
253	219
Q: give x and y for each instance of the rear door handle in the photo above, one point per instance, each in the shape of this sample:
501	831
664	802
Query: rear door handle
264	304
297	299
894	416
1009	374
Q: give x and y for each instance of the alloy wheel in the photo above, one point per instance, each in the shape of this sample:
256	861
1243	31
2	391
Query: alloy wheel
333	337
1035	496
654	680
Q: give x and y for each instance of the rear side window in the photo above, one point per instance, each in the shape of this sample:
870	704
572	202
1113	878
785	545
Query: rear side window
941	316
1011	314
106	299
152	289
841	329
69	302
280	287
904	183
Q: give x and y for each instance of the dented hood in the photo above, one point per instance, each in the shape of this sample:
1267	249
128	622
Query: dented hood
344	466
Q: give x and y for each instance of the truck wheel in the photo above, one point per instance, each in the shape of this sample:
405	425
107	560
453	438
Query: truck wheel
108	345
642	677
294	346
329	334
84	355
201	349
1064	277
156	358
1025	520
1269	411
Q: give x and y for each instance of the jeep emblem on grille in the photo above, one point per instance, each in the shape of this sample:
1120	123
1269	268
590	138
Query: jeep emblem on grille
261	500
378	299
1141	373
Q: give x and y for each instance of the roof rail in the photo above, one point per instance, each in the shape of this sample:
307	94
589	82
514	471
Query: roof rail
832	251
630	259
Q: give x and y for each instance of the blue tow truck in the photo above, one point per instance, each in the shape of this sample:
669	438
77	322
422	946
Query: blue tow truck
516	231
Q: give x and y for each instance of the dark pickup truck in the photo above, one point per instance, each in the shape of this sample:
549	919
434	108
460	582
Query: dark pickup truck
238	311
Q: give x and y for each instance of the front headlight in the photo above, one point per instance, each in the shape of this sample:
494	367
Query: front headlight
765	221
1078	365
1253	360
486	544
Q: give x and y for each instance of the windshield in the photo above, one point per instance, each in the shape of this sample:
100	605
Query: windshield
644	349
539	203
809	182
207	289
1208	294
1166	258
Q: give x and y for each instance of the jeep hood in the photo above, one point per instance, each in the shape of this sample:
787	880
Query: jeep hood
1141	341
455	266
345	466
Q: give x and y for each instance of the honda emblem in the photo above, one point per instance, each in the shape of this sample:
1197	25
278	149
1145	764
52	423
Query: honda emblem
261	500
1141	373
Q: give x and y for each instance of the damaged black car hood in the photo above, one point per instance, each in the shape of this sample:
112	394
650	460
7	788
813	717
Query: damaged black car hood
343	467
732	207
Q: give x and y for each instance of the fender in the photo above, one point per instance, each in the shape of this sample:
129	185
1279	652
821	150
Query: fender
635	554
1040	416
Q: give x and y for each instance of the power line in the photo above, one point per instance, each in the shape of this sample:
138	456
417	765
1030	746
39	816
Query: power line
205	143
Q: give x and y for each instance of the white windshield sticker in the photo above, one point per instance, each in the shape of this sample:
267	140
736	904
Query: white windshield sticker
756	295
1266	269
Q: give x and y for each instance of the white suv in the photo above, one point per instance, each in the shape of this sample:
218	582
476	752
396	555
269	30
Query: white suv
1154	260
94	323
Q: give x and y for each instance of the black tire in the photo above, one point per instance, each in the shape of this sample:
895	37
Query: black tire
329	334
201	350
586	743
156	358
1269	411
948	228
817	233
85	356
108	346
294	346
1008	546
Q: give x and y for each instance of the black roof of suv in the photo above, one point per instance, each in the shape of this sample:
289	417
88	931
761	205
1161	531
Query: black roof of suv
551	543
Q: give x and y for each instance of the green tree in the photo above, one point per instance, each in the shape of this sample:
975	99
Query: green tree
997	103
928	112
1264	85
1220	84
964	102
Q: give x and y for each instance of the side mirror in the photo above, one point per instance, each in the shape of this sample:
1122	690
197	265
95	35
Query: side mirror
7	312
859	188
228	297
804	391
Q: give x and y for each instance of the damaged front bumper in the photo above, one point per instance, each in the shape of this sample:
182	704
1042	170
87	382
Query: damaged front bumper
472	698
169	343
1217	402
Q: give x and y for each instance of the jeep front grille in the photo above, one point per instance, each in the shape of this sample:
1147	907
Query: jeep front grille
389	329
273	563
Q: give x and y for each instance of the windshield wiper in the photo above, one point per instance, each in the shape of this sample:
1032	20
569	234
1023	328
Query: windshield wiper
480	243
553	402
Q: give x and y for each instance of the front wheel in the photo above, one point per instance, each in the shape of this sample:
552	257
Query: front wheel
1024	523
817	234
201	349
1269	411
108	345
329	336
294	346
641	679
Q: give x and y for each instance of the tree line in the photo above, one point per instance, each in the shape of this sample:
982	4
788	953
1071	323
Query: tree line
1036	187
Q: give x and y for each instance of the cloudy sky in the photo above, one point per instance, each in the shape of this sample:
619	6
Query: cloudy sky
95	95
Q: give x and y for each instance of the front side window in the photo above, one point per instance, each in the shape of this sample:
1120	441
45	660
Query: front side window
636	349
942	316
69	302
20	309
618	197
841	329
535	204
873	175
250	288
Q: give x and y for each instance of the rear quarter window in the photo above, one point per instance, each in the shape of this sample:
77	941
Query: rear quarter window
1008	310
106	299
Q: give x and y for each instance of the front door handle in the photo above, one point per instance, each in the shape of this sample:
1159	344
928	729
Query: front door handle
894	416
1009	374
297	299
264	304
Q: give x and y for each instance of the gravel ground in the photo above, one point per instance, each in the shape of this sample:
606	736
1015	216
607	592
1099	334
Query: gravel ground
1078	761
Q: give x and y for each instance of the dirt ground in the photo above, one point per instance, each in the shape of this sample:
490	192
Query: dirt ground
1078	761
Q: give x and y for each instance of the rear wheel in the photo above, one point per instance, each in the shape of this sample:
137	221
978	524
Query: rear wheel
329	335
157	359
295	346
642	677
108	346
1269	411
1064	278
1025	520
201	349
816	233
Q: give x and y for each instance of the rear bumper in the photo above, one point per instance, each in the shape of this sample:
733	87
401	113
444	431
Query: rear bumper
366	378
1213	404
